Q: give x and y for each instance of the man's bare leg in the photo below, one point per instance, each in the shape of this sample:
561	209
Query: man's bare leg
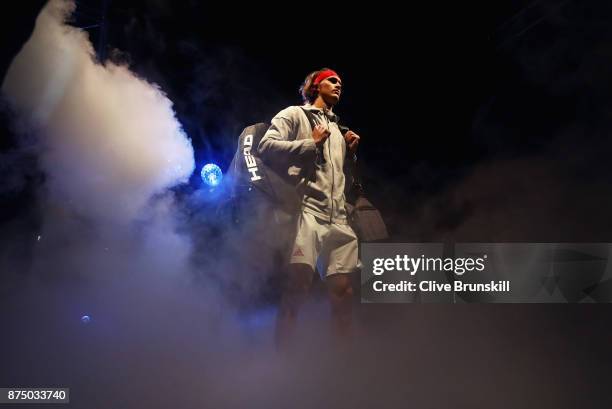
294	294
340	291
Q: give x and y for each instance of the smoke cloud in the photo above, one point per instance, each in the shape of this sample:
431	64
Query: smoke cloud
109	141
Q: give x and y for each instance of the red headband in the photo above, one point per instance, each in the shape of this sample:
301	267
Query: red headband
325	74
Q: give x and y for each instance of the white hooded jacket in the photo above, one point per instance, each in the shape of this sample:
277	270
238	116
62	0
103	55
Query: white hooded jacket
320	182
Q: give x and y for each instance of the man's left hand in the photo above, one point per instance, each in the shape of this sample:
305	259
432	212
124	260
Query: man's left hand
352	141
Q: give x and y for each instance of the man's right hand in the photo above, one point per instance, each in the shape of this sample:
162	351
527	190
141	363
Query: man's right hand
320	134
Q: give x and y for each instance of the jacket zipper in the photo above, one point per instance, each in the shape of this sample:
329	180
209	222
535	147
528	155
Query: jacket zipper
333	181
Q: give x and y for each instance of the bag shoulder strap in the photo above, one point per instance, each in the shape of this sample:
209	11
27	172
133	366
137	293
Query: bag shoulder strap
310	117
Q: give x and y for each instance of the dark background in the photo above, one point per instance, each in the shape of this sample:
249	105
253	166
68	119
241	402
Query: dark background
480	122
472	115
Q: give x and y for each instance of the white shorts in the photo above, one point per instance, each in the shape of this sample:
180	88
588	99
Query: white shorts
331	247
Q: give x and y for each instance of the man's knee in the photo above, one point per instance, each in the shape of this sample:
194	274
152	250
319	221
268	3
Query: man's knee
299	278
340	285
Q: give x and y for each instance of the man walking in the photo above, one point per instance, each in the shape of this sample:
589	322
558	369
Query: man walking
308	141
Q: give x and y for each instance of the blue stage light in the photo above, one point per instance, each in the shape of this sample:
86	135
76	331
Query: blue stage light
85	319
211	174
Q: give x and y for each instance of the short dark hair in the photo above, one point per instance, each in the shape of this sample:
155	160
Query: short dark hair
308	90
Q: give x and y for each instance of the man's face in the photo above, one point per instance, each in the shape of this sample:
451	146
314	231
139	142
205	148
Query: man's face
330	89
